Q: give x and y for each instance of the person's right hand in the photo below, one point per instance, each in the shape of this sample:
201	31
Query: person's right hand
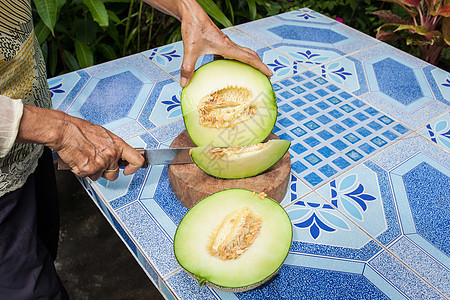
89	149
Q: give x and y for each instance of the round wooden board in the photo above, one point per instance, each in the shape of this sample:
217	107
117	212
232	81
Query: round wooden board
190	184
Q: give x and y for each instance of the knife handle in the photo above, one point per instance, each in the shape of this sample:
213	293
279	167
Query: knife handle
63	166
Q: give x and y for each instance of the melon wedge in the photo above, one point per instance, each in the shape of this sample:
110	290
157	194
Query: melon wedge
239	161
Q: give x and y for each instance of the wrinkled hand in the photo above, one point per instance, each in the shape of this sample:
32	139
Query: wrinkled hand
90	150
93	151
201	36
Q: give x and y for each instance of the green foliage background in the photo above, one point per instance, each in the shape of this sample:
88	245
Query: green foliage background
75	34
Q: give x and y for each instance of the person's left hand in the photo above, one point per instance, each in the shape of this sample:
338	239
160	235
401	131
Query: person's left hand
201	36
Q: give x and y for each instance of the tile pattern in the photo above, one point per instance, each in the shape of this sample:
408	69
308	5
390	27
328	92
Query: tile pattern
368	195
330	129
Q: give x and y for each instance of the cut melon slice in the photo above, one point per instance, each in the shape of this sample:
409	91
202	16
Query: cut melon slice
233	240
239	161
228	103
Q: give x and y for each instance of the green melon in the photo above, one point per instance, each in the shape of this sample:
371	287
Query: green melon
233	240
228	103
239	161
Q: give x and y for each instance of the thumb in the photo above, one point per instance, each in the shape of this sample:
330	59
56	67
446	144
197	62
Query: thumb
187	69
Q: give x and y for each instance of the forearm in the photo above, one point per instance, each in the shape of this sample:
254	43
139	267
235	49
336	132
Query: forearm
41	126
176	8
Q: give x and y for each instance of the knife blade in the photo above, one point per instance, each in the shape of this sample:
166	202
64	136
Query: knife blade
166	156
158	156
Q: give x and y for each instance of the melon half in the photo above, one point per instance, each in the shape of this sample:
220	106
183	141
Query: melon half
228	103
233	240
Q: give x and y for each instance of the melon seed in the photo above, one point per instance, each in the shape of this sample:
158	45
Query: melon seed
226	107
233	150
236	234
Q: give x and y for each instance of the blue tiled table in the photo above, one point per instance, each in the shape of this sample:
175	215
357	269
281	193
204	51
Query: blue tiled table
369	194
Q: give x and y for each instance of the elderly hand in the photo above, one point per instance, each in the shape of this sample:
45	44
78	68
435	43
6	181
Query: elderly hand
90	150
201	36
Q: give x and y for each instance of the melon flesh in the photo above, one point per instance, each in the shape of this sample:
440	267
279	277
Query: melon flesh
228	103
239	161
208	221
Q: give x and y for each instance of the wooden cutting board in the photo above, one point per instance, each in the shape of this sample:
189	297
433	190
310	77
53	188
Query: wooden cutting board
190	184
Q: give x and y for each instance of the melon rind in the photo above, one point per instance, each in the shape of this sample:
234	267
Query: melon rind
221	74
240	165
255	266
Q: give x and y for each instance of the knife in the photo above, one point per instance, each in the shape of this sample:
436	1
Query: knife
159	156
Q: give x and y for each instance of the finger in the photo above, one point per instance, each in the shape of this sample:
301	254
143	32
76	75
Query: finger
187	68
247	56
134	158
112	173
256	62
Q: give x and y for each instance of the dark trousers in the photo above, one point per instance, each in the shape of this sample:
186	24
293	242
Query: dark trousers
29	230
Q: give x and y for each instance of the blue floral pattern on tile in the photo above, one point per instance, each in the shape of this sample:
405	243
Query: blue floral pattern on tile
281	66
350	195
306	15
164	55
309	57
440	133
56	87
336	72
314	217
173	106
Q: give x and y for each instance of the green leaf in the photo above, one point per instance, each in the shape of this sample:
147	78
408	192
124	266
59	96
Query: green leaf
446	30
85	30
114	34
252	9
388	16
42	32
106	51
84	54
44	50
388	27
47	10
417	41
387	36
113	17
407	8
63	30
70	60
410	3
416	29
131	36
52	57
230	9
443	10
98	11
214	12
60	4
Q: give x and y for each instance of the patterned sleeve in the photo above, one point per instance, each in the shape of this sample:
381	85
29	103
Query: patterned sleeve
10	116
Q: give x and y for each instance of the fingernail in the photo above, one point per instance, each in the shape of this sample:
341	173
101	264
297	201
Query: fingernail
183	81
